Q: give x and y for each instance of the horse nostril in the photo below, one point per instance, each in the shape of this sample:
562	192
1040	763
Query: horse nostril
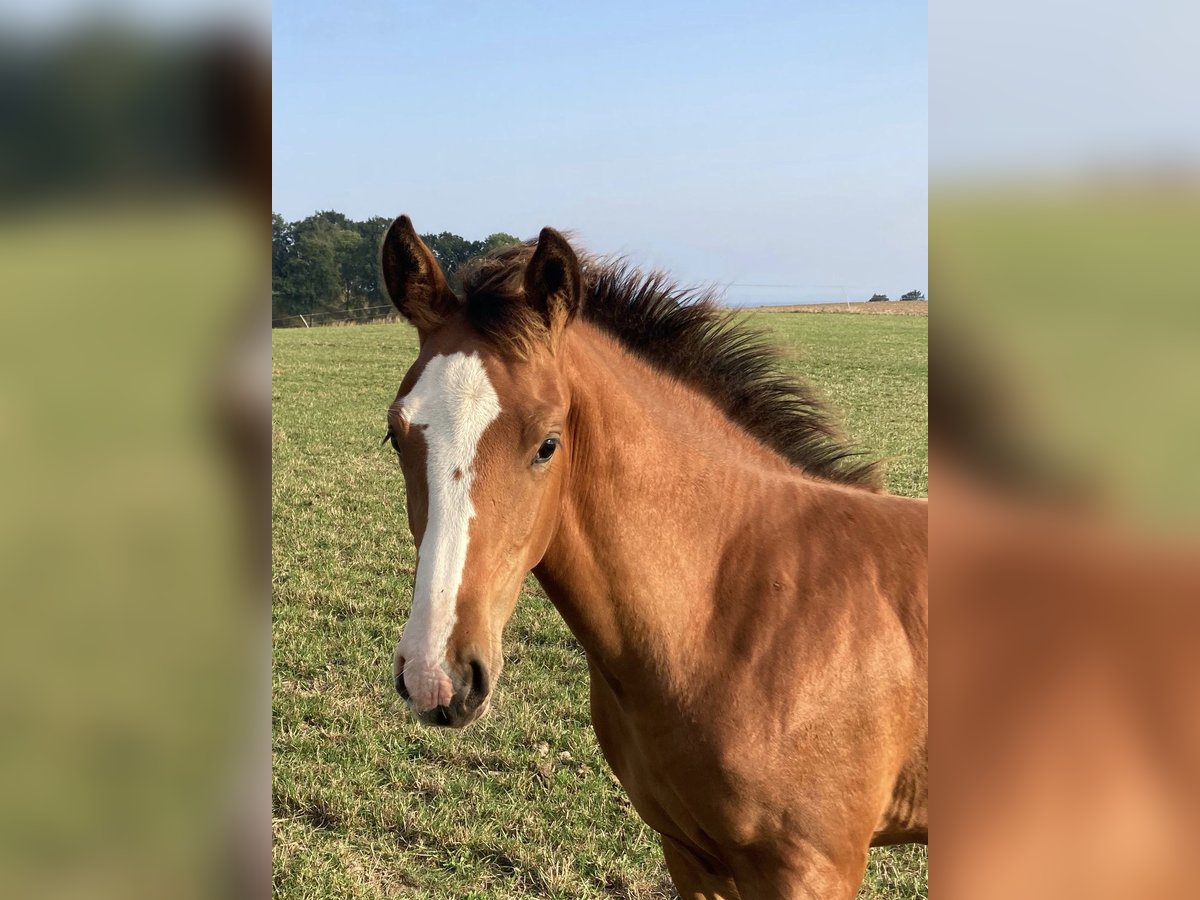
400	688
479	683
443	715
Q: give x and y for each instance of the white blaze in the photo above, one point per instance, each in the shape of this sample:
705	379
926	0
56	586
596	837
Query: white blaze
453	402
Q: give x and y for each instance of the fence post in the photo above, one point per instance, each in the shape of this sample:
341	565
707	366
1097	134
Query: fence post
305	321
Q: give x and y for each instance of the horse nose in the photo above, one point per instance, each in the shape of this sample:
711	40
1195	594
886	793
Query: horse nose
472	687
480	683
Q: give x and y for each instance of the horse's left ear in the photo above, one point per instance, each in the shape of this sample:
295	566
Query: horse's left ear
553	281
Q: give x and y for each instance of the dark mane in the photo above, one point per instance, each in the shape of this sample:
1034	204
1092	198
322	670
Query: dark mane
685	332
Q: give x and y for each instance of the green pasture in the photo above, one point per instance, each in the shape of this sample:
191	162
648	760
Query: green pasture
366	803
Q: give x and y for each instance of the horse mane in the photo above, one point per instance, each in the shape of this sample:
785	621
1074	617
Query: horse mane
686	333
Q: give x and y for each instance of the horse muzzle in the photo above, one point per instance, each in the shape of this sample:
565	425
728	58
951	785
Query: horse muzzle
447	696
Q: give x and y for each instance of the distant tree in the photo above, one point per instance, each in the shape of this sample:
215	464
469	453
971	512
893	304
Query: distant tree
913	295
336	219
363	270
876	298
313	276
451	250
496	241
281	247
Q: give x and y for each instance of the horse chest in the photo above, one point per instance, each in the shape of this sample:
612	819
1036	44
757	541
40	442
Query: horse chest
677	787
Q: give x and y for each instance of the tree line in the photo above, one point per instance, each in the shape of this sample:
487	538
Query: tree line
326	267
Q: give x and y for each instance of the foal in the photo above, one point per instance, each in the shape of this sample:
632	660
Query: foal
753	609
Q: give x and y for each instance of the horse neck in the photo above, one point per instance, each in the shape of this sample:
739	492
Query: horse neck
659	481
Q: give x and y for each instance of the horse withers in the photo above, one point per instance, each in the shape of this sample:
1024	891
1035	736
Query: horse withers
752	606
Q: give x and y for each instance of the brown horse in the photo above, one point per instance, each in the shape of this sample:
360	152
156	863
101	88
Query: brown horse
753	609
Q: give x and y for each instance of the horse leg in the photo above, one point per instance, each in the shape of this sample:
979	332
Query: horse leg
695	878
811	876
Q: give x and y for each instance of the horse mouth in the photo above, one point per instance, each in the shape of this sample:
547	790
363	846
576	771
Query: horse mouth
459	714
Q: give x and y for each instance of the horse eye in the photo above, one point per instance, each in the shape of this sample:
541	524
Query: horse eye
546	450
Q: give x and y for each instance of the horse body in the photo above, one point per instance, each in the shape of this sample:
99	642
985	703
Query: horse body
753	614
771	706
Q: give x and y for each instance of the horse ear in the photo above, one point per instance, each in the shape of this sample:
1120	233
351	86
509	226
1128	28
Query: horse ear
553	281
413	279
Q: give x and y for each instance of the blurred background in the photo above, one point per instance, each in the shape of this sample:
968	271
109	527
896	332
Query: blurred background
1064	222
134	408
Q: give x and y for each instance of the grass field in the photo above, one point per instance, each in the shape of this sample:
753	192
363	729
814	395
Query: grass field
369	804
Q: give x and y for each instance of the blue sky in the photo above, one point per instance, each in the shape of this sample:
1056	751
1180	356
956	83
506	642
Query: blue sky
743	144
